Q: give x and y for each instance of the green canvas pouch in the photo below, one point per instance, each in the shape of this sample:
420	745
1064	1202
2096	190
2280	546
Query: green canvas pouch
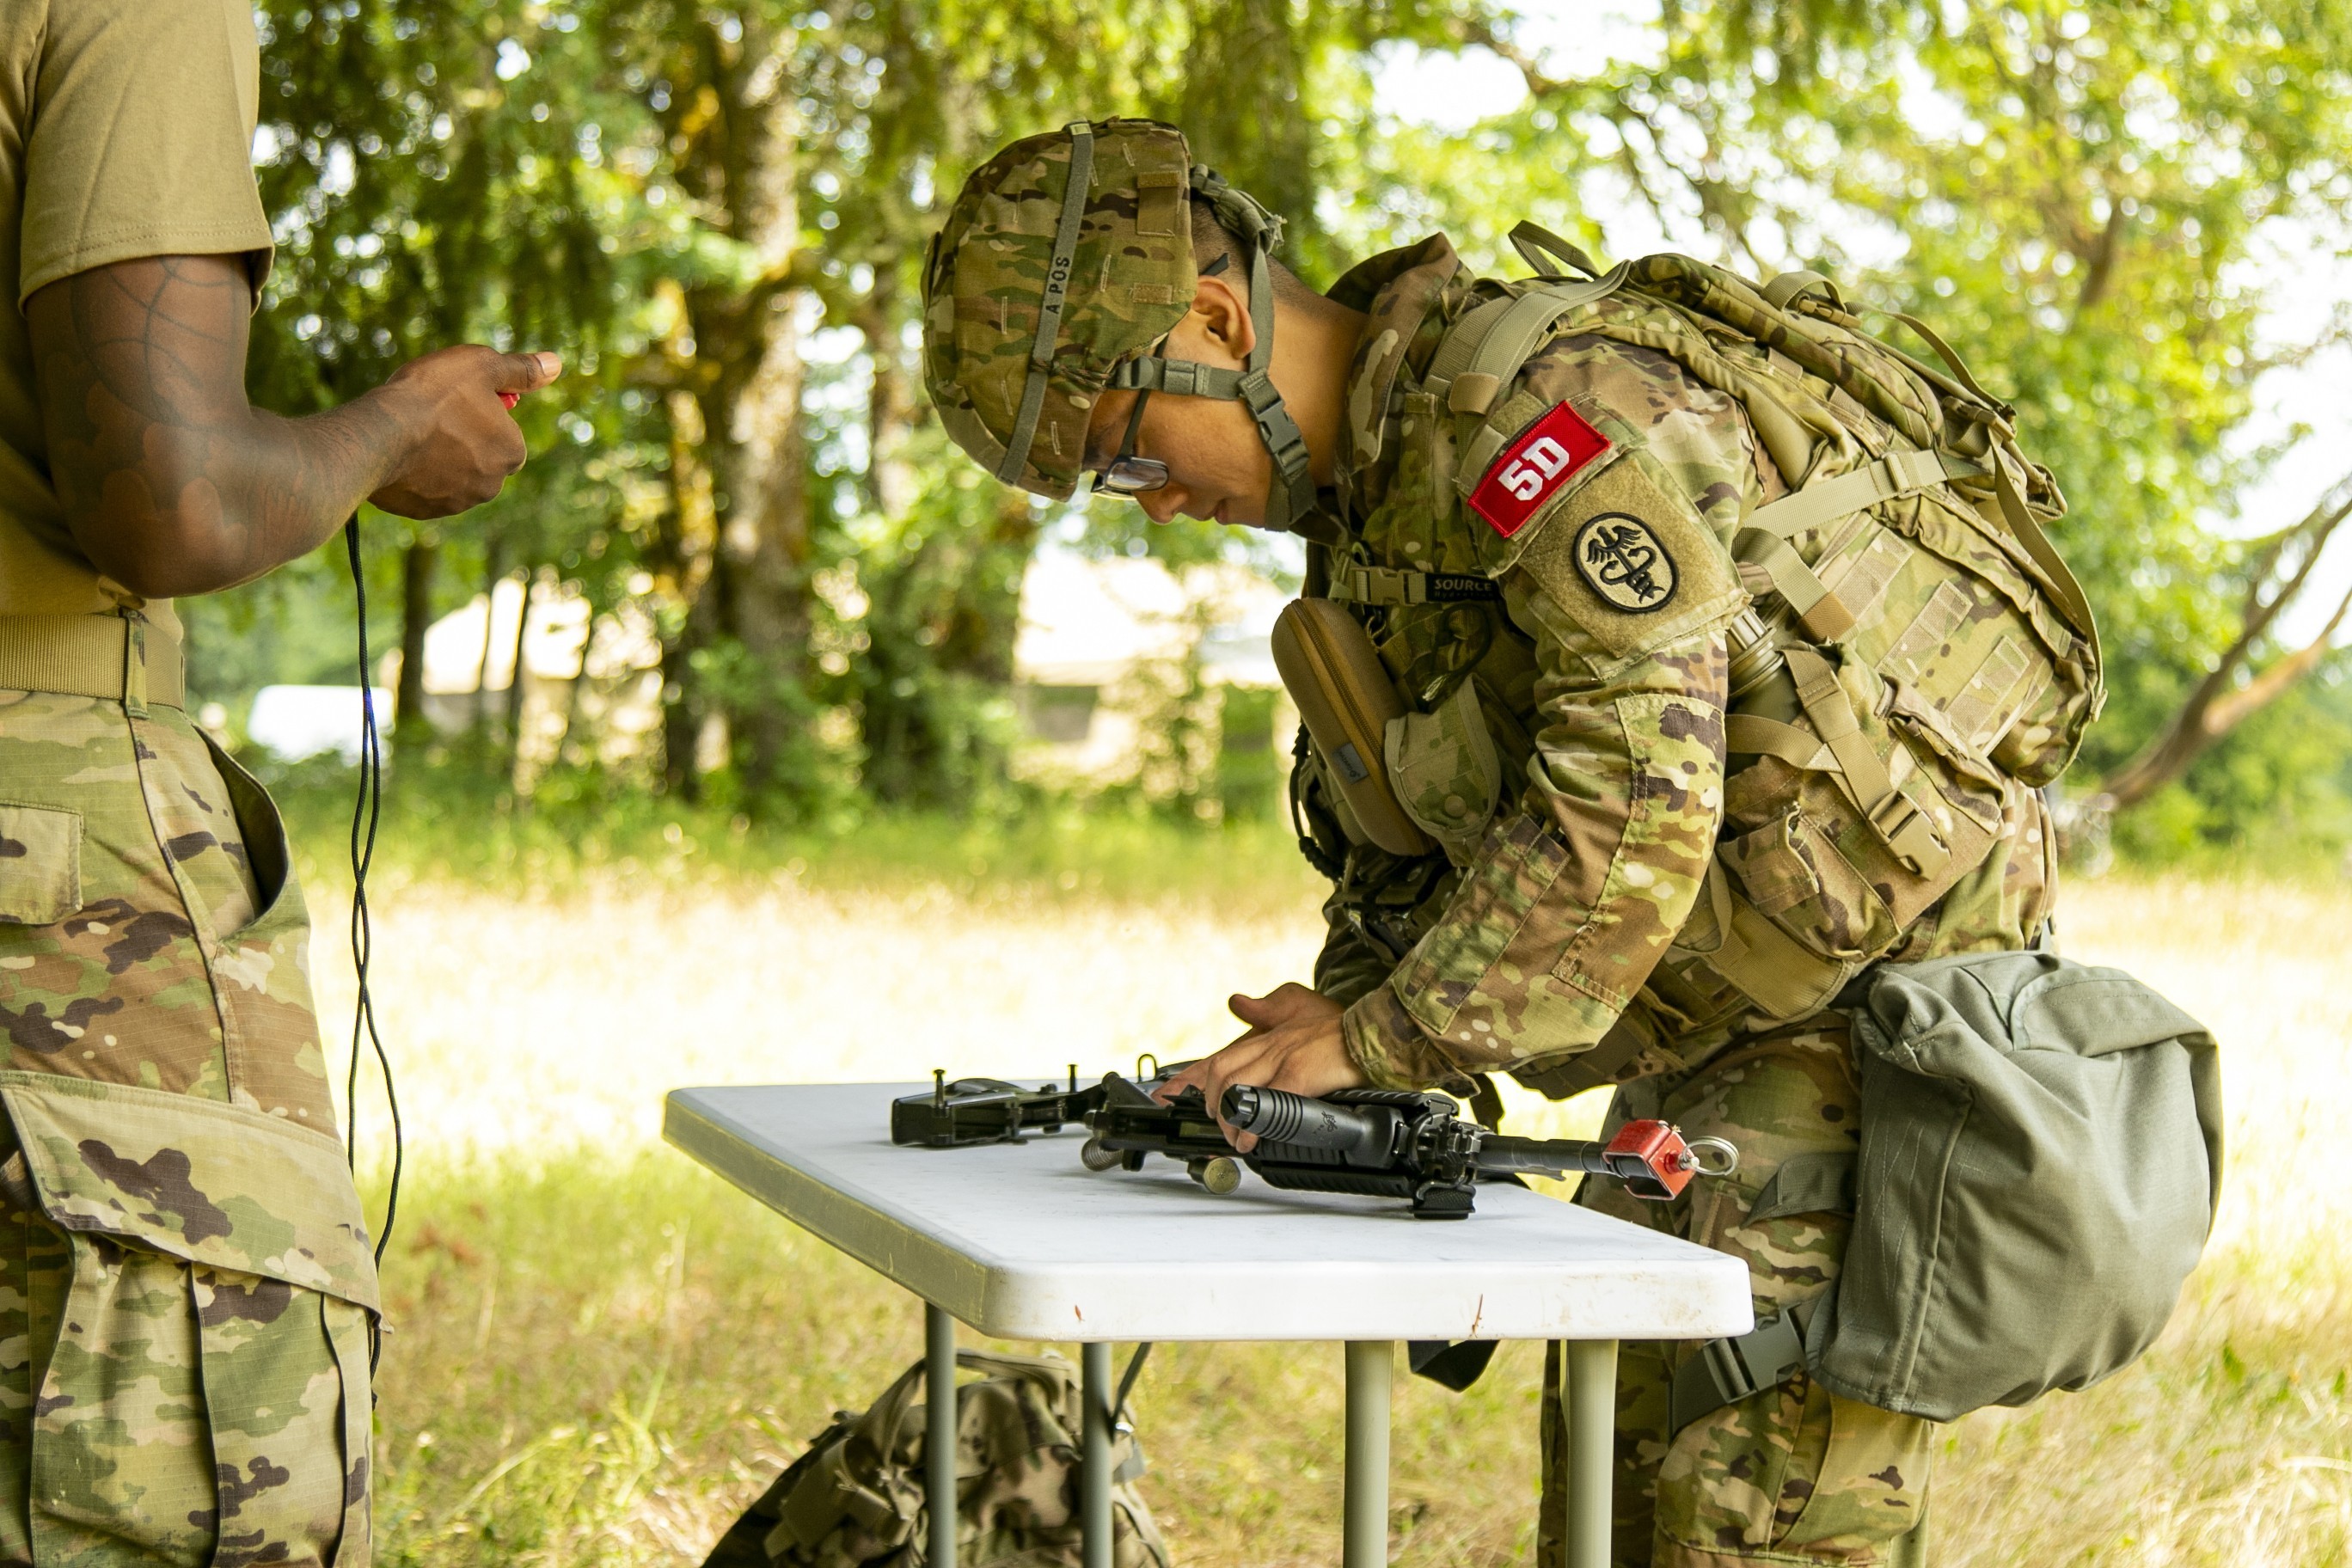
2040	1165
854	1498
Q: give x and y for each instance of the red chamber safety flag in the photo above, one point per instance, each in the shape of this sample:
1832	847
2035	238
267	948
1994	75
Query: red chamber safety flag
1548	454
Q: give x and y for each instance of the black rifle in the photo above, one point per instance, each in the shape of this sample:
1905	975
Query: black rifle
1378	1143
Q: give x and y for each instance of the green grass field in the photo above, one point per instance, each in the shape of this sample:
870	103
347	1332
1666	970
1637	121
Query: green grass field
601	1352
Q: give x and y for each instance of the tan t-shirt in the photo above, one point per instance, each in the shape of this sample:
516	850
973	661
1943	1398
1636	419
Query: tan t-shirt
126	130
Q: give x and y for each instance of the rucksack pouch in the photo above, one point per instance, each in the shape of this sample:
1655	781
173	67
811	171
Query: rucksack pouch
856	1498
2041	1162
1347	701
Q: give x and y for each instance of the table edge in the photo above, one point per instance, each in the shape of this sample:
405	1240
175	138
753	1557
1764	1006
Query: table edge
983	1292
958	1281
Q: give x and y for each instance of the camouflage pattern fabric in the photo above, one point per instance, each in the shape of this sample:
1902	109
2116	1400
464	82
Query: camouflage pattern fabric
984	283
1557	917
1792	1474
1567	915
166	972
856	1498
186	1279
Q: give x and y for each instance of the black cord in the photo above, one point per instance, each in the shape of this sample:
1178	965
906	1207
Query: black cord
366	811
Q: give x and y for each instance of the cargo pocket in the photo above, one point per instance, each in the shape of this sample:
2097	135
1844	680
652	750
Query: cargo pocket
119	1446
261	972
1447	777
40	864
277	1406
1869	1486
208	1395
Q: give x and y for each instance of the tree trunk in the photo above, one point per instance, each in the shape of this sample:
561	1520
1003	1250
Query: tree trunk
417	567
2233	690
494	567
890	407
515	689
985	619
1262	138
750	401
685	555
765	539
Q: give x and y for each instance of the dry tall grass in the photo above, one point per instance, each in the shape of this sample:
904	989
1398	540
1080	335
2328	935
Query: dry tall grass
602	1350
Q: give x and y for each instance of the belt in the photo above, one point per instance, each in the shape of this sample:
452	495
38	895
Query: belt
123	659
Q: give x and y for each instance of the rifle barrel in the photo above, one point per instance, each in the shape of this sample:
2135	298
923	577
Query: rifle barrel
1500	1156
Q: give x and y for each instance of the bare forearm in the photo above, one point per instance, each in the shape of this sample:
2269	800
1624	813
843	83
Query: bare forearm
170	481
234	504
173	484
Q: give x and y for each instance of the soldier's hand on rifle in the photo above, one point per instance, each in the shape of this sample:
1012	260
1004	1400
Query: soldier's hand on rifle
1293	1042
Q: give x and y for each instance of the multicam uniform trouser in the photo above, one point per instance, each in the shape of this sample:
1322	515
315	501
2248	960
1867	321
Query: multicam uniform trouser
185	1274
1794	1474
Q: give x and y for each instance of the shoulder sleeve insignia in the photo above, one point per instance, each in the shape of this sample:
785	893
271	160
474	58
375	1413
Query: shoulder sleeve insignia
1624	562
1531	469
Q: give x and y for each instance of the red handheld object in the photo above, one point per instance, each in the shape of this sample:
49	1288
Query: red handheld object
1647	1151
510	398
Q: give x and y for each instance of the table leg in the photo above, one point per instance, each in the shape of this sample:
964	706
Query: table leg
1591	1400
940	1436
1365	1535
1093	1477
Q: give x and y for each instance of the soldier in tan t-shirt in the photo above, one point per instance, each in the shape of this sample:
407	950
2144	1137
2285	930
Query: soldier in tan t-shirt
185	1281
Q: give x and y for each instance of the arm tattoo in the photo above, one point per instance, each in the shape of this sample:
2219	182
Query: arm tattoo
168	478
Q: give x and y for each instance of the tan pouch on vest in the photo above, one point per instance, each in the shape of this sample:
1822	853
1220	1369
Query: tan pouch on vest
1345	699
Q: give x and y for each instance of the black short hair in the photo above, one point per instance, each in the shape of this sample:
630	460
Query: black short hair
1212	238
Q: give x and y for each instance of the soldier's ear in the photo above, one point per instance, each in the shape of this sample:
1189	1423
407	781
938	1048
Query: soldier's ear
1221	318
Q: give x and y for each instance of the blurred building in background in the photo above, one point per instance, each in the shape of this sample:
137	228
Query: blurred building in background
1127	673
590	679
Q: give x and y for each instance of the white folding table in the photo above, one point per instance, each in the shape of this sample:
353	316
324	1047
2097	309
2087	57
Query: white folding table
1025	1243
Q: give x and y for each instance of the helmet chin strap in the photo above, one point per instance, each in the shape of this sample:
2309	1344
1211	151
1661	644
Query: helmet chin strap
1292	494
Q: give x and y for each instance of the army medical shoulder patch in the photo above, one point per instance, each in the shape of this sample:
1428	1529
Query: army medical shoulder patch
1531	469
1625	563
1629	561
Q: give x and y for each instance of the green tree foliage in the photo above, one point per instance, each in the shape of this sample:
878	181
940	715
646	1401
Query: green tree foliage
2071	195
717	212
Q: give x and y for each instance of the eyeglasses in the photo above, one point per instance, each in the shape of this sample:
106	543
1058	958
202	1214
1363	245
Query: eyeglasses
1126	474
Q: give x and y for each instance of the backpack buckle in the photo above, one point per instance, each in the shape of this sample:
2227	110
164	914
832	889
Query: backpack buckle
1907	830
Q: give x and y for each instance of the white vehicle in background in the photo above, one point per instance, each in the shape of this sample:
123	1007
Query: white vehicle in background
297	722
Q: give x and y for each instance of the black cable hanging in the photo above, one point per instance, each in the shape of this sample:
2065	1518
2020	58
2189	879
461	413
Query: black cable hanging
366	811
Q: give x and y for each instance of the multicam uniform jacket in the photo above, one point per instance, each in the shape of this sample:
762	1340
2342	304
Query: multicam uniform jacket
1577	843
1661	857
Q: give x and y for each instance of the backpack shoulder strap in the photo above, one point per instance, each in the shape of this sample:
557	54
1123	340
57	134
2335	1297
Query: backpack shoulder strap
1484	350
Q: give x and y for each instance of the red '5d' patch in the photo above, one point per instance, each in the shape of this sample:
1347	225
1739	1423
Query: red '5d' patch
1546	455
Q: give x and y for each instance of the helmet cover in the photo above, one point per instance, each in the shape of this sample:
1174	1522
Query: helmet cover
989	286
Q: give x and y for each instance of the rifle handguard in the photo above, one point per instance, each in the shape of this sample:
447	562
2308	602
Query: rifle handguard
1650	1157
1365	1135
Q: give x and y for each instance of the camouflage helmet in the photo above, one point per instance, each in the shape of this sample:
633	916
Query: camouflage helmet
1064	259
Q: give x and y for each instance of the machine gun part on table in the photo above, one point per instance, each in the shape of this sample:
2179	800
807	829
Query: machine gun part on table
987	1111
1377	1142
960	1112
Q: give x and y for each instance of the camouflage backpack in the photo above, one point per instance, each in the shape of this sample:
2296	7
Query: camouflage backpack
1914	662
855	1500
